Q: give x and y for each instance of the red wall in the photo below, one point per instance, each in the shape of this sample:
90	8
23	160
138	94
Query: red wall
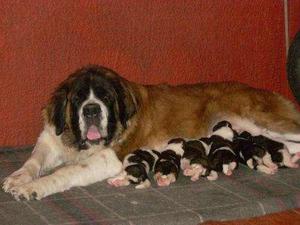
145	41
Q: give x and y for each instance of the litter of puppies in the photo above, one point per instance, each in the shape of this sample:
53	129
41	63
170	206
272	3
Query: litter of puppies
221	152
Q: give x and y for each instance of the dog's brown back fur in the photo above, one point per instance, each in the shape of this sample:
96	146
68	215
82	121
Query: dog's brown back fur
188	111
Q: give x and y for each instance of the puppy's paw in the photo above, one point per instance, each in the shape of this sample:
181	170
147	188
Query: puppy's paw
29	191
193	171
266	170
143	185
18	178
118	181
292	164
164	180
273	167
295	157
212	176
188	171
195	177
228	172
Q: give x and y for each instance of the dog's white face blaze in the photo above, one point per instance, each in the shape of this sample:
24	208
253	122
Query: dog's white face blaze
104	115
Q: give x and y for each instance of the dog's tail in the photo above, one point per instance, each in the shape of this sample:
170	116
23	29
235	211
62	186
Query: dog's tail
293	66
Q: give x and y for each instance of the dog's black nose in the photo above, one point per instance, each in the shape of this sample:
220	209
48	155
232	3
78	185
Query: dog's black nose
91	110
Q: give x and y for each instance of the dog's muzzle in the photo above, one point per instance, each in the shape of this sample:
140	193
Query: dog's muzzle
92	115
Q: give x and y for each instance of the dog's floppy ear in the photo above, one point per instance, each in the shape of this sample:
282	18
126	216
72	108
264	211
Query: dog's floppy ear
55	111
127	104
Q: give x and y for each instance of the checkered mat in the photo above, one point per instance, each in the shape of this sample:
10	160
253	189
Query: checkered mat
245	194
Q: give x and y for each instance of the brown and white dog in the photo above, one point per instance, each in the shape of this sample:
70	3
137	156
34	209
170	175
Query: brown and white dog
95	118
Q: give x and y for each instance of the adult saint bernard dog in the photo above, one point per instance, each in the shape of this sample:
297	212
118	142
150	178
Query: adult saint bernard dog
96	117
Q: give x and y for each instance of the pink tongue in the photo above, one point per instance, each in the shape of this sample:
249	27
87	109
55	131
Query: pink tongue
93	133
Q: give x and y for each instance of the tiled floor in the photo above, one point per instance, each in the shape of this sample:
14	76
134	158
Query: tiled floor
246	194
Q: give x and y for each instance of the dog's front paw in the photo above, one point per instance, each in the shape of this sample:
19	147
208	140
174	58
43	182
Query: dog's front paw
29	191
18	178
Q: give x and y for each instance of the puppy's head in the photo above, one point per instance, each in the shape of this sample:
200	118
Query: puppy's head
93	106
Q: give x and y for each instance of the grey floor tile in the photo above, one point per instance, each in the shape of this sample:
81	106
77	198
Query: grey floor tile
103	188
103	222
139	203
72	193
5	197
231	212
72	210
14	213
257	188
6	168
291	180
276	204
15	155
288	176
201	196
282	172
178	218
241	173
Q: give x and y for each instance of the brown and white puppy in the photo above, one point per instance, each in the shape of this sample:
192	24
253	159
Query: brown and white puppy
207	156
136	169
167	167
263	154
222	157
95	118
194	162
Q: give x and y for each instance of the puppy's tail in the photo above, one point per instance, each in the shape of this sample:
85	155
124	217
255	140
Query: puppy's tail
293	66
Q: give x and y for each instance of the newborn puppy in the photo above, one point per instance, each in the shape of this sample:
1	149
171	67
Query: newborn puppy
167	167
194	162
262	153
136	167
222	157
253	155
277	150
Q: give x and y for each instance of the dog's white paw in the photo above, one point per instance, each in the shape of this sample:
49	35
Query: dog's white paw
18	178
29	191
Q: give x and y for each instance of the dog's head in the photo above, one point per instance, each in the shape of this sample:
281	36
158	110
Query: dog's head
92	106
